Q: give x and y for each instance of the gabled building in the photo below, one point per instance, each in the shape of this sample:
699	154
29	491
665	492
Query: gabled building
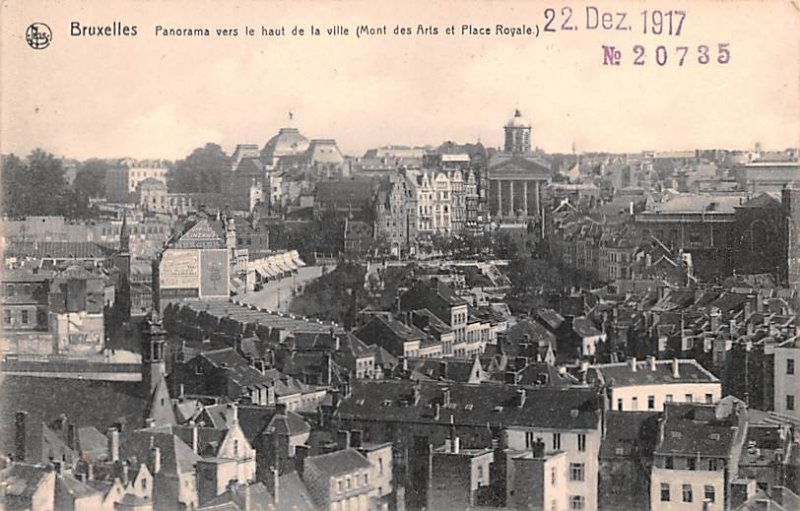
339	480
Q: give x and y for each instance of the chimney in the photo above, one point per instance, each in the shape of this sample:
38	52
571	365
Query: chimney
72	437
356	438
195	437
538	448
113	444
651	361
436	411
732	327
181	393
280	408
300	455
445	396
443	369
21	440
90	471
521	396
584	367
126	469
455	445
149	422
155	460
632	363
342	439
404	361
676	368
231	414
275	486
57	465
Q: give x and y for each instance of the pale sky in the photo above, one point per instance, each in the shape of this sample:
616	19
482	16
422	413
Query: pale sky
161	97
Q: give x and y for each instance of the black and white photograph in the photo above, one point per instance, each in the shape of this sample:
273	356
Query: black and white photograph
350	255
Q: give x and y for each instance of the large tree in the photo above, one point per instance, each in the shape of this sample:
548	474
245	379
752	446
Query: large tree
91	178
35	186
201	171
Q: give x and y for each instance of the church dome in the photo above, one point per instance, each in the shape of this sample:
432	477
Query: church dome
518	121
287	142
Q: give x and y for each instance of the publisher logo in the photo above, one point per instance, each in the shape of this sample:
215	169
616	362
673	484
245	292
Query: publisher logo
38	36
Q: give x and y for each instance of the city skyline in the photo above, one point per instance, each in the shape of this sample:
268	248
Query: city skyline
173	95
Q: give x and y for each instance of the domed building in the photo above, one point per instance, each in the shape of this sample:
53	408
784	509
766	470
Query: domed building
518	134
516	176
288	142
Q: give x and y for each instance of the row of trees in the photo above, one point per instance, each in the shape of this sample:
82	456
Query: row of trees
37	186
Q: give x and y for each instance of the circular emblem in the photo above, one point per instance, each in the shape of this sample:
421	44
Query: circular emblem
38	36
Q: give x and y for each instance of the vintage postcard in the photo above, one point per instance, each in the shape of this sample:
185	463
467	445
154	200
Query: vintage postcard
379	256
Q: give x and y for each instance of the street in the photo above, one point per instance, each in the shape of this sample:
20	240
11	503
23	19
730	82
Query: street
276	295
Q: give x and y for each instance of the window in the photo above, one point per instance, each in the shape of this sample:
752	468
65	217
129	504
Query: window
144	483
480	471
24	317
553	476
668	399
380	466
7	317
687	493
576	471
341	485
576	503
651	402
528	439
10	290
556	441
366	479
712	464
709	399
789	402
582	442
669	462
692	462
665	492
235	448
789	366
688	398
619	405
349	483
634	403
708	493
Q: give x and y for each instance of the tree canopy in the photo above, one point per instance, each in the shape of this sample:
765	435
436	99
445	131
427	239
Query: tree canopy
36	186
200	172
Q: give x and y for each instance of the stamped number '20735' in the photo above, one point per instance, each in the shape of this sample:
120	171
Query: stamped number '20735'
669	55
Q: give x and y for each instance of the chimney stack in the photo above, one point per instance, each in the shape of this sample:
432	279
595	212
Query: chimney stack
652	363
231	414
21	440
155	460
538	448
72	437
113	444
356	438
343	439
195	437
632	363
676	368
521	397
445	396
275	486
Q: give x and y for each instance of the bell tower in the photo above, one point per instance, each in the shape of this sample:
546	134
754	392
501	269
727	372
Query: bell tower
154	365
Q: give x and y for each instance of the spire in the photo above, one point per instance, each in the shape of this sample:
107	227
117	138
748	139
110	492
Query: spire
125	234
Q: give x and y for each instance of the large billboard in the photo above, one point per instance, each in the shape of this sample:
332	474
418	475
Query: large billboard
180	269
214	275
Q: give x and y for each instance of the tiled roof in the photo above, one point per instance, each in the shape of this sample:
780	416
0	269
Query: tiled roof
574	408
339	463
584	327
46	398
551	318
289	423
73	487
629	434
293	493
530	331
176	456
620	374
693	430
58	249
23	479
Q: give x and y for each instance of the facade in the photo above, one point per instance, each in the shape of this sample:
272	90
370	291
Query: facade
196	264
395	214
121	182
339	480
786	380
516	177
688	474
635	386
